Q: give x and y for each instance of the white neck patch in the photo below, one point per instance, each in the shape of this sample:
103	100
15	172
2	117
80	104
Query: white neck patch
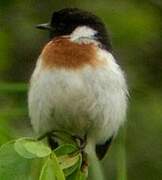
83	32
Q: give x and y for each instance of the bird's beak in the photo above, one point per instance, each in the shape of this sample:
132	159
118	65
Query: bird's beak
45	26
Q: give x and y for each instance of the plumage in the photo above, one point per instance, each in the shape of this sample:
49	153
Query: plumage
63	53
77	86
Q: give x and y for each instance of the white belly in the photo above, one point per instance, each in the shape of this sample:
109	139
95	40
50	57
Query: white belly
88	101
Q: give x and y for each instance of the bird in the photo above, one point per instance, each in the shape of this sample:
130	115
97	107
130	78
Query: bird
77	85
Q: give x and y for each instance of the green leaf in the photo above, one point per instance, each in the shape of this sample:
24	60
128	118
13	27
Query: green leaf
36	168
67	161
21	150
38	148
65	149
30	148
13	166
58	171
68	158
48	171
70	170
77	175
73	176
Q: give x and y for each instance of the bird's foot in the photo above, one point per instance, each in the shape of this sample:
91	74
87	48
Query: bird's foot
80	141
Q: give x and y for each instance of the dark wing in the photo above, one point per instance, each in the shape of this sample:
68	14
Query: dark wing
101	149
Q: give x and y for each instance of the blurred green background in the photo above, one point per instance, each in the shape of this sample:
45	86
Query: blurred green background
136	30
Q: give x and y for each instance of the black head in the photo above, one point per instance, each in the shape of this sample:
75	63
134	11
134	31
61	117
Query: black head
63	22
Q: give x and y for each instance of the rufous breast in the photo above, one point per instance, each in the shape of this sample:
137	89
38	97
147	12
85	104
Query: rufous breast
63	53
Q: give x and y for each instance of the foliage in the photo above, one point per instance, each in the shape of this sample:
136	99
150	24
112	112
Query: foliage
17	157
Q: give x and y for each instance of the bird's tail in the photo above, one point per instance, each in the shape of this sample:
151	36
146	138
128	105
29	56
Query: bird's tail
95	170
